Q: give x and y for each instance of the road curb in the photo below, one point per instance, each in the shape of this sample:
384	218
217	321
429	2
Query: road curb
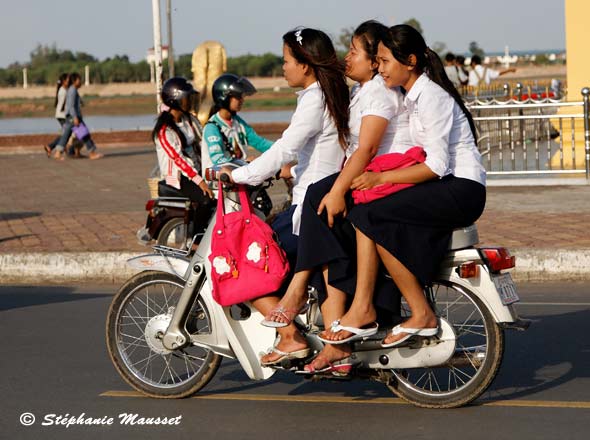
73	267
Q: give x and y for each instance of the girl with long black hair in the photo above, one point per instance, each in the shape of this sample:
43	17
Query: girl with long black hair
177	135
316	138
410	230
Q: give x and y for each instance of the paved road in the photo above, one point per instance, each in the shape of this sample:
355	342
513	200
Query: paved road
54	361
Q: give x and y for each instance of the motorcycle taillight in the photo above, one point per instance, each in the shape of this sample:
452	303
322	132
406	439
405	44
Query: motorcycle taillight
150	204
498	258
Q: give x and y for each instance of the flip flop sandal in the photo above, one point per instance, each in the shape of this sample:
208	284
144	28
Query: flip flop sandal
410	332
288	315
337	368
47	149
284	355
357	333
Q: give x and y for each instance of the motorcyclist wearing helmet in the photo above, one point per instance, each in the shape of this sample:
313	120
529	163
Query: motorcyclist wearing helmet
177	135
227	136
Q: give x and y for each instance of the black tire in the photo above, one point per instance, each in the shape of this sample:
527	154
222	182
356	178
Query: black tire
127	338
473	367
177	226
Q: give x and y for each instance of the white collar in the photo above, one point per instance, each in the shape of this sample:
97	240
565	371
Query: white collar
313	85
416	90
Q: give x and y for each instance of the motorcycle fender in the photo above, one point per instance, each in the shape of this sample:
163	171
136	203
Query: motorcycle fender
482	285
174	265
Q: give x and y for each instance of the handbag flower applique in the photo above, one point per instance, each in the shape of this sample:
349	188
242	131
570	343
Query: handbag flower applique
254	252
221	265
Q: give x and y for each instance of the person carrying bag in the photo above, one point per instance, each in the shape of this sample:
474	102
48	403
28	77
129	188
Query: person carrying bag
246	261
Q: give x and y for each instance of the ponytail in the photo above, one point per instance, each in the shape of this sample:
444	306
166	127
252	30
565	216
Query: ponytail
436	72
60	82
403	40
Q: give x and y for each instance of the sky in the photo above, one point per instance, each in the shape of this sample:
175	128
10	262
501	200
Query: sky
105	28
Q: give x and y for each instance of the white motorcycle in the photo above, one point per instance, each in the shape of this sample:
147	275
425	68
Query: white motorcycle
166	335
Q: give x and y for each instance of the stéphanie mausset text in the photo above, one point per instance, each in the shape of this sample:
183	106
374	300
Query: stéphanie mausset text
122	419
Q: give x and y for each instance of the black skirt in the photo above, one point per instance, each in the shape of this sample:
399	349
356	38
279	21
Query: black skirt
415	225
319	246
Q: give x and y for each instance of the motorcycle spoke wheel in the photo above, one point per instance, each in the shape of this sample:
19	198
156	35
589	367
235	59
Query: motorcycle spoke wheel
475	362
139	315
173	234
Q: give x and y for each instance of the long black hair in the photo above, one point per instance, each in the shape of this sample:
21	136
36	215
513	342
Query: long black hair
60	82
368	33
403	40
314	48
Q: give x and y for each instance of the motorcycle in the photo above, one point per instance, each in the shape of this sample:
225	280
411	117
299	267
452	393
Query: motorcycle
166	335
175	222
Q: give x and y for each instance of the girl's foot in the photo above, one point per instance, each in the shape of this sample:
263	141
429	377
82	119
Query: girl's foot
47	149
352	318
327	360
58	155
286	344
428	321
94	155
290	306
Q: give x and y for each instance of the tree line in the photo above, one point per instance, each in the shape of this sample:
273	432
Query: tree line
48	62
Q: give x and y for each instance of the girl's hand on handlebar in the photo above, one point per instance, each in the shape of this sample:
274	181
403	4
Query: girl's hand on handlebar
205	188
227	171
367	180
334	205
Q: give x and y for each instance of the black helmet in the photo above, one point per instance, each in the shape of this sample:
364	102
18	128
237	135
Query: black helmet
228	85
175	90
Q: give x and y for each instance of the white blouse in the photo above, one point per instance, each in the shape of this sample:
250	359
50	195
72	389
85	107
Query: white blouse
374	98
311	139
439	126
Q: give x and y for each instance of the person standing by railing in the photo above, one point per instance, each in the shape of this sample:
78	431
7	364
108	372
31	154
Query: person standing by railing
479	75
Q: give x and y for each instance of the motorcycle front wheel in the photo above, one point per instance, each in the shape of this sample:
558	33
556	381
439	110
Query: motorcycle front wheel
138	316
475	362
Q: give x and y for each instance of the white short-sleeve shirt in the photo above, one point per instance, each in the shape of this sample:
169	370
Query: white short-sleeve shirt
482	73
374	98
439	125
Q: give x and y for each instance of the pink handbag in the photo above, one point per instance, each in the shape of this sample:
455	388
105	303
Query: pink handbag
246	261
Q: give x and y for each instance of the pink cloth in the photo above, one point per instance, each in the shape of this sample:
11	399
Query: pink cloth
386	162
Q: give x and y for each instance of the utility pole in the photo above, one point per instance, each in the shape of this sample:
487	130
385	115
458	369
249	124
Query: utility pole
170	50
157	51
25	78
87	75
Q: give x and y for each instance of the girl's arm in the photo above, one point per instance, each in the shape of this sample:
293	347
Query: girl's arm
415	174
306	122
169	142
254	139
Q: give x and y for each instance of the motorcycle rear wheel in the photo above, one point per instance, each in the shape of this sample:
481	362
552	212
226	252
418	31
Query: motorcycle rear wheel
139	311
473	367
173	234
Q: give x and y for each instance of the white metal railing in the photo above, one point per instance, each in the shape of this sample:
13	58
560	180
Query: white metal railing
525	137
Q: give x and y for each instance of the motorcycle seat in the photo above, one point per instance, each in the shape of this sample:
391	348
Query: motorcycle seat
464	237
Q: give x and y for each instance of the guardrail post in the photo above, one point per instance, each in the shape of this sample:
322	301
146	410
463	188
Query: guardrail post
586	95
520	113
506	90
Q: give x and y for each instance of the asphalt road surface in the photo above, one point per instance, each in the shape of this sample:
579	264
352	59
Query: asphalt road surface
54	364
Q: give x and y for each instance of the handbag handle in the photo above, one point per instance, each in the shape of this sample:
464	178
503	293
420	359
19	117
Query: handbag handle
244	202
